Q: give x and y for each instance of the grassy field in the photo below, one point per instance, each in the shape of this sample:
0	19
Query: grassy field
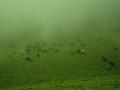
45	62
99	83
59	45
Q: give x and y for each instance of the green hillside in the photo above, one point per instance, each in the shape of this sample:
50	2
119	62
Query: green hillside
59	45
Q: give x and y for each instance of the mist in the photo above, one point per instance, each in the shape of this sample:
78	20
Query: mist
47	19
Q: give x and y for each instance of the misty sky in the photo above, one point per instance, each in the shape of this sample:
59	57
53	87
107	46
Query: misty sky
28	17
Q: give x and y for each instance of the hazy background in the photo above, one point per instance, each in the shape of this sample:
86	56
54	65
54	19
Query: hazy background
48	19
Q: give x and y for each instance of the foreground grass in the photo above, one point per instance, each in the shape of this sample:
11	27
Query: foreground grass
98	83
63	61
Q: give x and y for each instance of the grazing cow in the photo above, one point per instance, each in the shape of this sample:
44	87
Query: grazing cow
38	54
28	50
112	64
116	49
56	50
72	53
79	51
29	59
104	59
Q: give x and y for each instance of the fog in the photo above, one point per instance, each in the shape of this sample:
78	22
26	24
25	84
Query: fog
27	20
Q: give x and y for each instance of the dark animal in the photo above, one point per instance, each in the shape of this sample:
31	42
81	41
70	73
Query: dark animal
56	50
116	49
28	50
72	53
29	59
45	51
104	59
78	51
38	54
112	64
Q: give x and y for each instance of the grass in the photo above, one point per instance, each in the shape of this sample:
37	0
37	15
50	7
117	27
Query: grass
99	83
60	65
59	45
